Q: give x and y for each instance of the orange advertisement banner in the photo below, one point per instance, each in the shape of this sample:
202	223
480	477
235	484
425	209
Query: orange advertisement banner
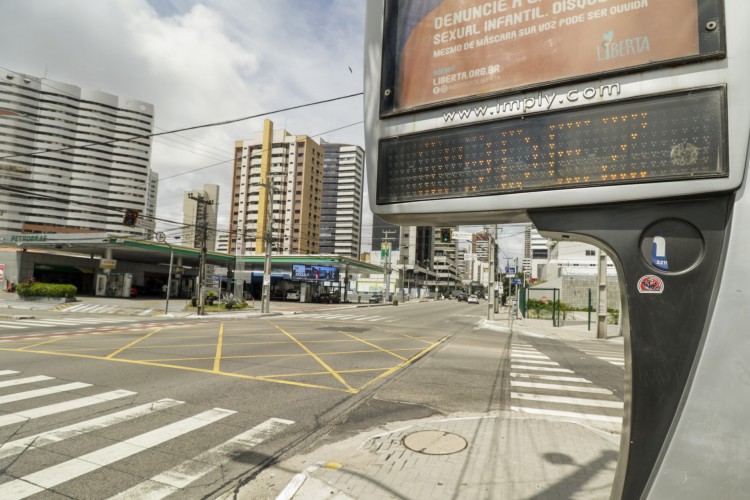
450	49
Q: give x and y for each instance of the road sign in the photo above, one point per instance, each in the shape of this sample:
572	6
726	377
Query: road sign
516	281
461	235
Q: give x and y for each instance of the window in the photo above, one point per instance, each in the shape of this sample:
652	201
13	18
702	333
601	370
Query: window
590	253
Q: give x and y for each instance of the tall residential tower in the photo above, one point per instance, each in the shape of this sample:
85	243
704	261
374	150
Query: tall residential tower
71	159
341	215
292	165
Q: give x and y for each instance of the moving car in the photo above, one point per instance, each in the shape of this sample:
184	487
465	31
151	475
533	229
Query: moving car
472	299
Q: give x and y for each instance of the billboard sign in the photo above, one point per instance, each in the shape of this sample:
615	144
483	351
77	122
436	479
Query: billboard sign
443	50
304	272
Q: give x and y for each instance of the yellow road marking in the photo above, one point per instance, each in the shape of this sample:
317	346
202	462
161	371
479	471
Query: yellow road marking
42	343
414	338
217	360
118	351
185	368
401	365
298	355
375	346
362	370
316	358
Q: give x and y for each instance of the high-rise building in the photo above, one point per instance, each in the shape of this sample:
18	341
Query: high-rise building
70	162
341	214
444	260
222	242
196	213
292	166
480	246
536	252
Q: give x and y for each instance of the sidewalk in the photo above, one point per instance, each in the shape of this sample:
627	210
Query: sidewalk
494	455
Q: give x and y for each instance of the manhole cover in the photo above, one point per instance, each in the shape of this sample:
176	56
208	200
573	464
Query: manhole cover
435	442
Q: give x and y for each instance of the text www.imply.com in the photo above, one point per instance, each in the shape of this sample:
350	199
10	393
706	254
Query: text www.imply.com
540	102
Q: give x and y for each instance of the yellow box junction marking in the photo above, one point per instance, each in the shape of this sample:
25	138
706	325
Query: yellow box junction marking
218	356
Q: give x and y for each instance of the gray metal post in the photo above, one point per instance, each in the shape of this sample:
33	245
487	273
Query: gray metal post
169	279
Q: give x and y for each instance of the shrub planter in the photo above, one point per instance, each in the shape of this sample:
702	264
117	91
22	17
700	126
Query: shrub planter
58	300
46	292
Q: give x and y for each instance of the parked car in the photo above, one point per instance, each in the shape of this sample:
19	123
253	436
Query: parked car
472	299
292	295
329	298
376	298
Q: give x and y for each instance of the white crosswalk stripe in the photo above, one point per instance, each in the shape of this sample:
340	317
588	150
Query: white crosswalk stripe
22	324
179	477
610	352
73	468
57	474
55	436
344	317
74	404
553	391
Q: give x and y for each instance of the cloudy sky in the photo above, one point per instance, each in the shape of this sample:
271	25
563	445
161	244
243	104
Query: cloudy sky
201	62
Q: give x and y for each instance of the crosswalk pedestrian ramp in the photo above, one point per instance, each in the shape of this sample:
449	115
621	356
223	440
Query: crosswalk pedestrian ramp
63	459
8	324
540	386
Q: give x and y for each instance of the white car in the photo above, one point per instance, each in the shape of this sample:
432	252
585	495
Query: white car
292	295
473	299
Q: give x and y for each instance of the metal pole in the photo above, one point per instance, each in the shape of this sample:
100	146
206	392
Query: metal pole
169	278
491	280
266	303
601	317
589	309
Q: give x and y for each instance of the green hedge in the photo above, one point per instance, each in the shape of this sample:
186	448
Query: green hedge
46	290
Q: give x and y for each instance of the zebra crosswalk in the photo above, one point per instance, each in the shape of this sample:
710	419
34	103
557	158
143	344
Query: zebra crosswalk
347	317
540	386
24	324
102	309
611	352
68	467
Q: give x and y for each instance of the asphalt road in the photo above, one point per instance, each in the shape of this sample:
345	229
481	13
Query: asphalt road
193	407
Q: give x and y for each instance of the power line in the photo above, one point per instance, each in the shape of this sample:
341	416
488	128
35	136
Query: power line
133	138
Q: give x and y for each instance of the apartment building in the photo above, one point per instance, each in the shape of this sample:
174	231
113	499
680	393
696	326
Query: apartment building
341	213
70	162
291	167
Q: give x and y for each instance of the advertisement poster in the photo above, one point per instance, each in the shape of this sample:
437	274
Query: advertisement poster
2	273
449	49
314	273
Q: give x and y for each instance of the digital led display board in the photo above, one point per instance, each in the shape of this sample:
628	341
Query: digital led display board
667	137
314	273
437	51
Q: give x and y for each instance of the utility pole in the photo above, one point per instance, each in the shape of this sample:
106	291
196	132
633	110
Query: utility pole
239	264
385	251
203	214
491	280
268	238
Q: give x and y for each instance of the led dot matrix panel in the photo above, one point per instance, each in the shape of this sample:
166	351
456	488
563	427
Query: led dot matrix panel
669	137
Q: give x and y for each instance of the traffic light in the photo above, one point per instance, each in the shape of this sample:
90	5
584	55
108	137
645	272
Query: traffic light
445	235
131	217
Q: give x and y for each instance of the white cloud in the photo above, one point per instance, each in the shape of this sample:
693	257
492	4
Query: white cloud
199	62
